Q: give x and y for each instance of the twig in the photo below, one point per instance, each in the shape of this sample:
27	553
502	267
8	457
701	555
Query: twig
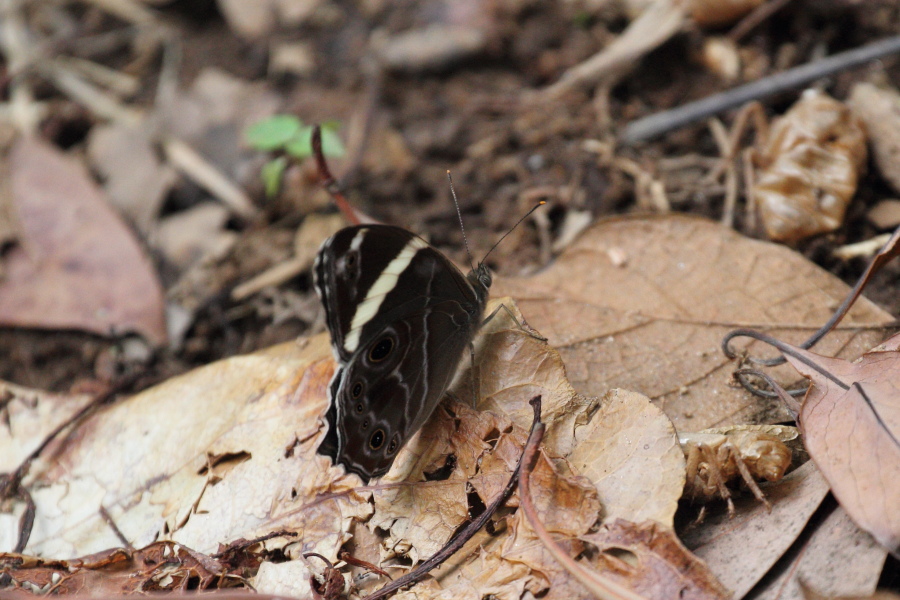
128	10
18	48
660	123
659	22
206	175
756	16
600	586
534	440
98	101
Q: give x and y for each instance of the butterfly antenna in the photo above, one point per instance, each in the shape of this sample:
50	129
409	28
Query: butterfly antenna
459	215
513	228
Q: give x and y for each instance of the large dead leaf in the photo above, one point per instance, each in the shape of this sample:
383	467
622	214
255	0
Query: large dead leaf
228	452
850	421
76	265
653	323
838	559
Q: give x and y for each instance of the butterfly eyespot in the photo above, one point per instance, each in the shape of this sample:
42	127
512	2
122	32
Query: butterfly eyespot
381	349
357	390
365	424
377	439
394	445
359	408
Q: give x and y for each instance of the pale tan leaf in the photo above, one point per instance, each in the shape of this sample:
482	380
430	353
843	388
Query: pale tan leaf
654	323
203	459
27	416
631	453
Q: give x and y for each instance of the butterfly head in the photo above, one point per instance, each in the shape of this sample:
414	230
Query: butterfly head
480	279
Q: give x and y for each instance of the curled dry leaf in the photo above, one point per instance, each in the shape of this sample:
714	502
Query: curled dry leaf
650	559
654	323
160	567
879	110
809	168
626	447
850	421
77	265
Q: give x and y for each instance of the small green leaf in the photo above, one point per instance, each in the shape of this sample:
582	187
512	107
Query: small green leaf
301	146
271	173
273	133
331	143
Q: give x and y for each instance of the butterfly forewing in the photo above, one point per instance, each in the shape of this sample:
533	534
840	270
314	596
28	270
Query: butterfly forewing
400	316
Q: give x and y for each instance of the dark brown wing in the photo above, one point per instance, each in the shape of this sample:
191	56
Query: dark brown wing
400	315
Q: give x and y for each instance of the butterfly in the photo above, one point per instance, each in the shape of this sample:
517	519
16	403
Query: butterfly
401	315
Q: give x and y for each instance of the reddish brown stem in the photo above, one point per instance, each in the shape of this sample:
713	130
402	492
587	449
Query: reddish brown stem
328	179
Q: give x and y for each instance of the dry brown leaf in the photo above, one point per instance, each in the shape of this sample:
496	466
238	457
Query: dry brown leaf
77	265
740	550
567	507
879	109
649	559
839	559
809	168
850	421
654	323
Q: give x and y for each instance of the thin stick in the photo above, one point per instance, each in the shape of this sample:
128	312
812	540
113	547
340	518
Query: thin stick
660	123
534	440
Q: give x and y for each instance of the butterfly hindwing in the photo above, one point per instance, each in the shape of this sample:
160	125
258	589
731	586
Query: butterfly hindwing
400	315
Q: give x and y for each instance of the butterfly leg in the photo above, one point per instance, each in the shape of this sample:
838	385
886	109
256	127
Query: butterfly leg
527	330
473	377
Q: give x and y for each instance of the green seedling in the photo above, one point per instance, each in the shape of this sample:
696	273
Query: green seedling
289	136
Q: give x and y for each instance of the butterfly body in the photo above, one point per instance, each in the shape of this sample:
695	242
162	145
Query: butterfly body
401	316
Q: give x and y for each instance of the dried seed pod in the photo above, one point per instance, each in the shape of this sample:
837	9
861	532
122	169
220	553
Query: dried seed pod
715	13
809	167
